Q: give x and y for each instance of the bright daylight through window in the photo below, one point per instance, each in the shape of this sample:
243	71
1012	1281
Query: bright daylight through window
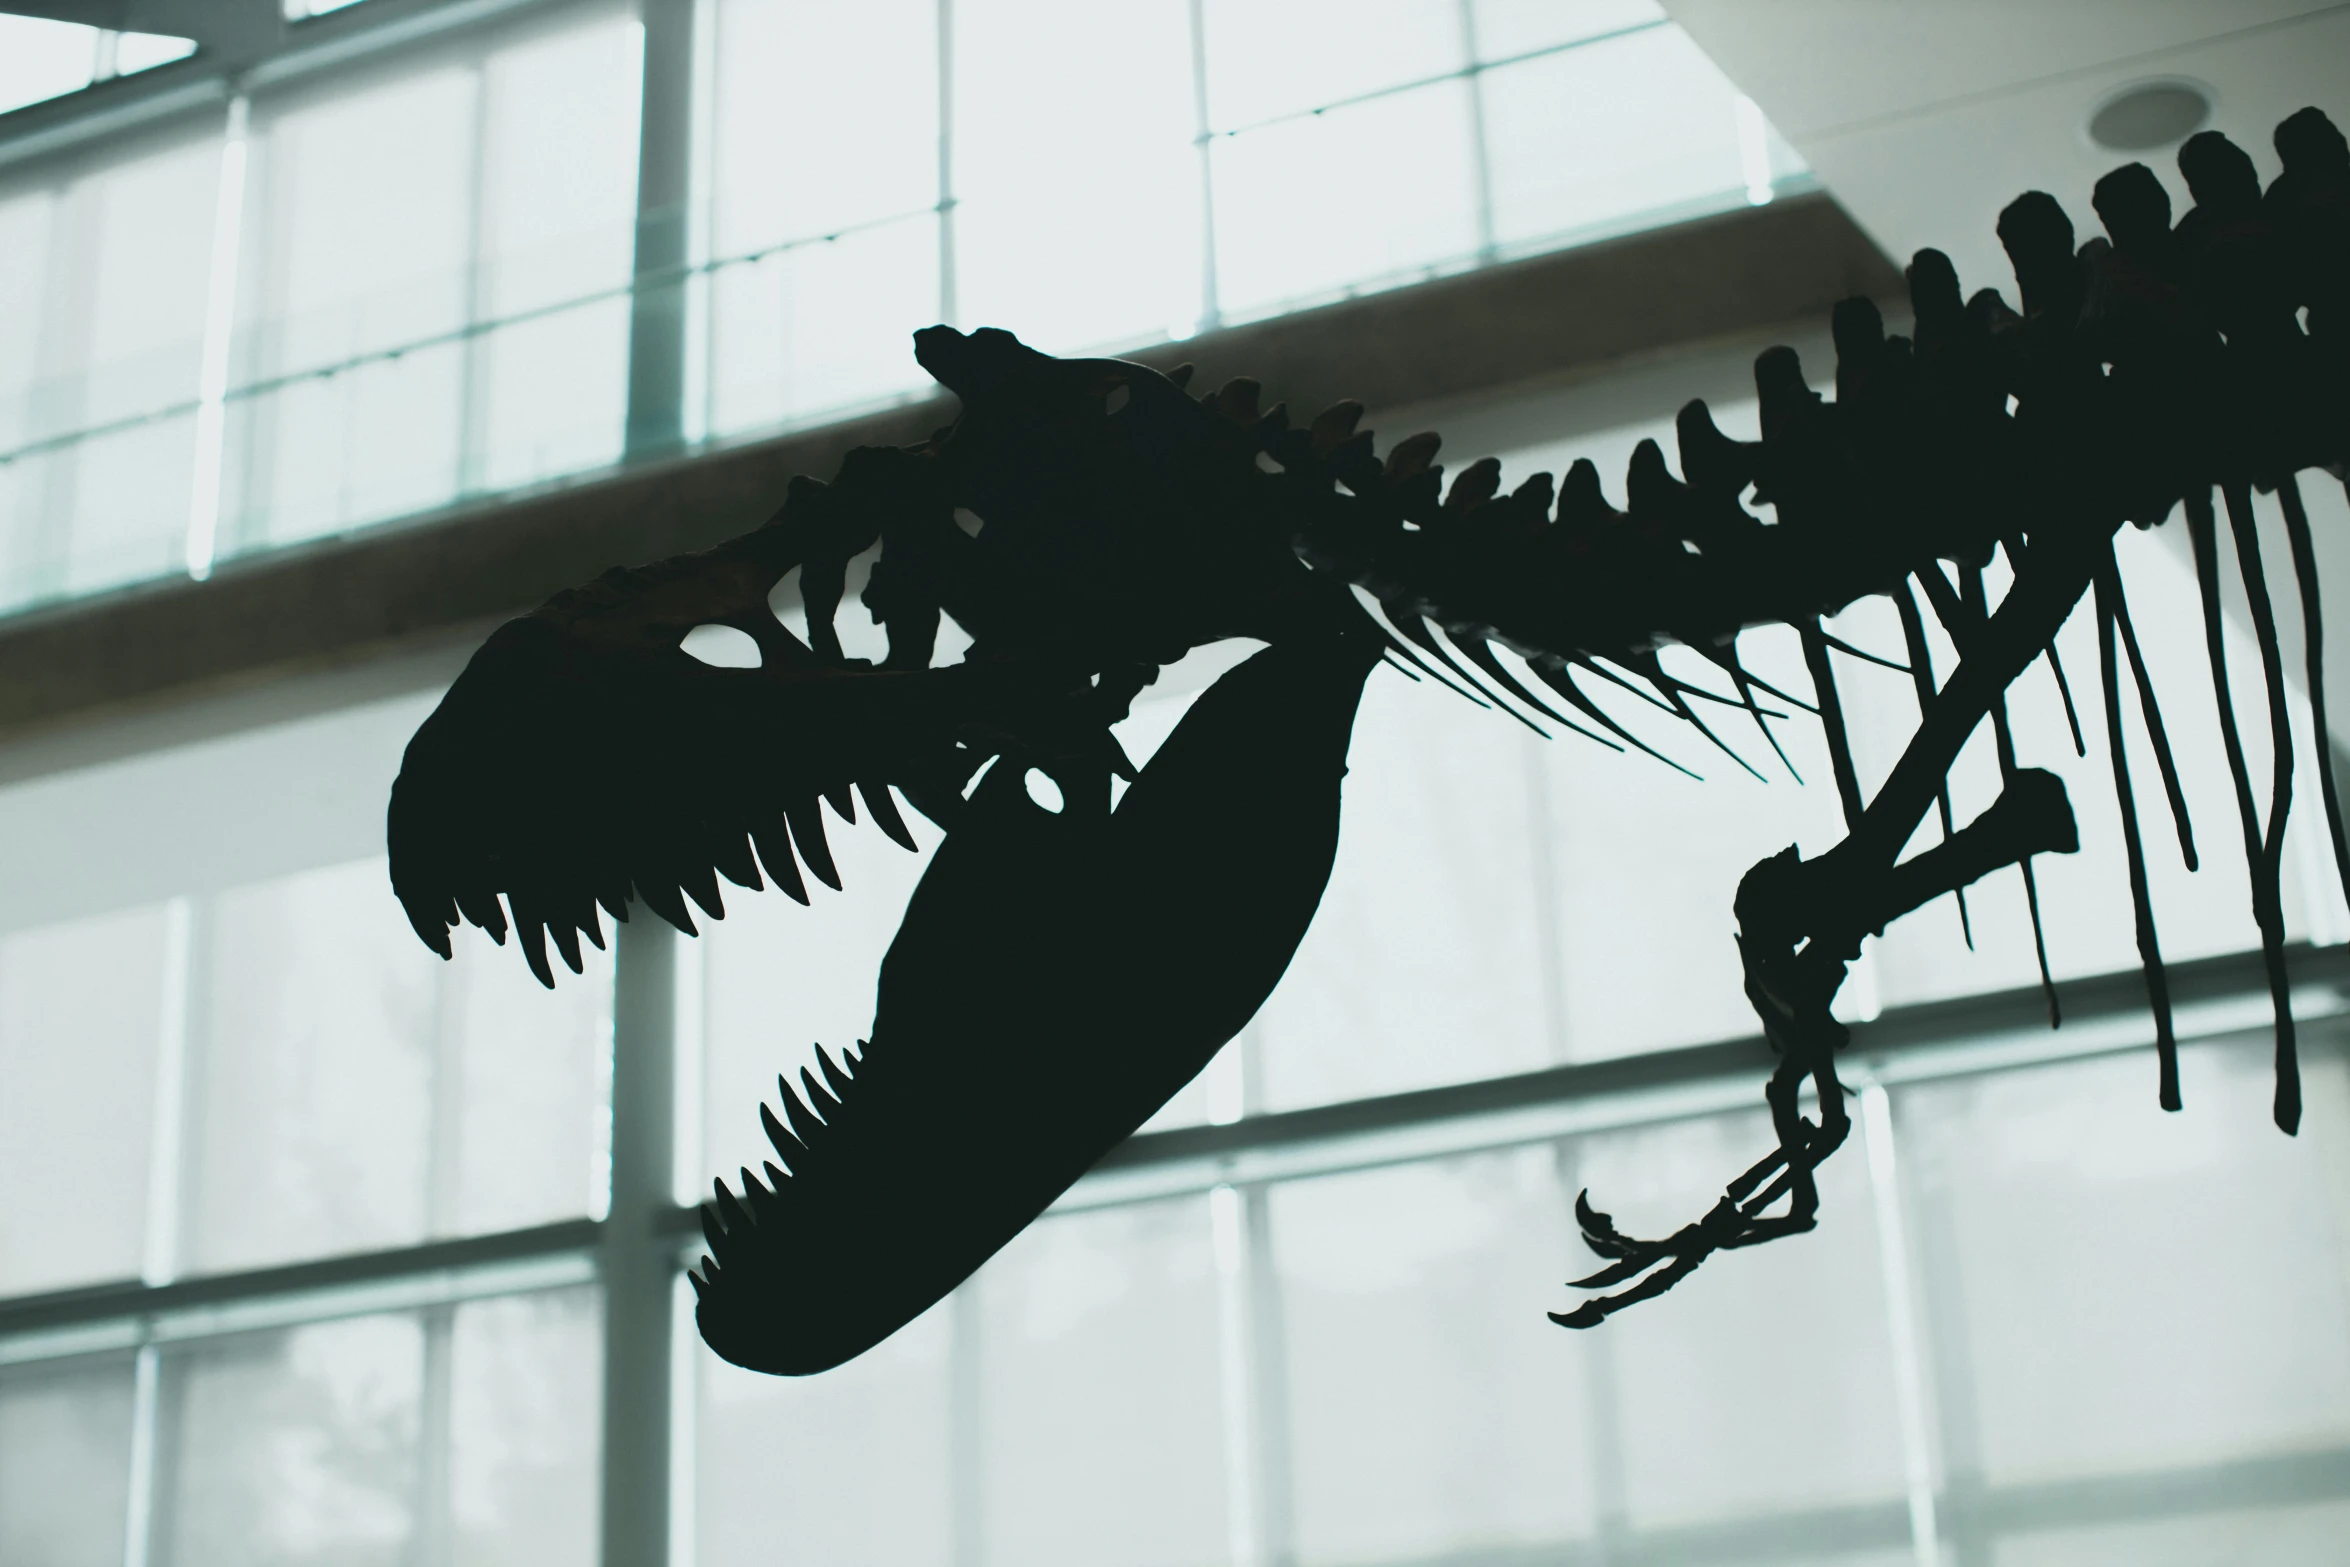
315	1249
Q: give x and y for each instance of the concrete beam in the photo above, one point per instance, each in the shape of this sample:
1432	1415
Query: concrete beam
397	587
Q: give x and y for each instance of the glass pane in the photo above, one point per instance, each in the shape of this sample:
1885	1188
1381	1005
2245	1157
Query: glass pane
65	1461
1076	227
1588	137
558	208
1383	190
81	1012
1100	1422
292	1448
552	393
326	1118
823	327
1764	1384
2117	1290
1513	27
523	1136
26	223
851	1468
114	317
525	1418
360	218
1282	58
852	140
1433	1410
1426	960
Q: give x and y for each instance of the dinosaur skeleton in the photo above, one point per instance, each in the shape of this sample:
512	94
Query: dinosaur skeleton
1060	974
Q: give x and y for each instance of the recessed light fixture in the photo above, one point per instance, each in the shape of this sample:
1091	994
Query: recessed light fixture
2146	115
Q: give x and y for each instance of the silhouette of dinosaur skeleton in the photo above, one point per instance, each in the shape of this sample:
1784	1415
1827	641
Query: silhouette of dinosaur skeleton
1060	974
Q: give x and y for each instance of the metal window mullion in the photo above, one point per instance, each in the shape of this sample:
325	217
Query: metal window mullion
1211	309
656	325
433	1539
184	955
473	360
966	1427
1602	1404
1913	1394
949	304
638	1256
1480	163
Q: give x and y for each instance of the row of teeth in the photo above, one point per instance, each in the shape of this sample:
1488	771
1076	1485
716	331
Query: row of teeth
728	1222
799	825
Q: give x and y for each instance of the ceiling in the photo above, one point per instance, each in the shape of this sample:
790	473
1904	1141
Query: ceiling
1925	117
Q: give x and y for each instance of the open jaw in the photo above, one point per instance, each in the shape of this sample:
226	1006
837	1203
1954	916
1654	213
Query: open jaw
1057	978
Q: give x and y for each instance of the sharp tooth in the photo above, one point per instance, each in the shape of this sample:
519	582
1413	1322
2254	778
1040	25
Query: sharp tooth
763	1202
807	835
713	1231
567	943
430	924
833	1074
803	1120
695	1279
885	811
701	885
663	900
818	1100
842	801
777	1177
531	937
731	853
775	853
787	1146
482	908
730	1210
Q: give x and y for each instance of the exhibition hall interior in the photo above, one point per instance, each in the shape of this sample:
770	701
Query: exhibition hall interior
334	335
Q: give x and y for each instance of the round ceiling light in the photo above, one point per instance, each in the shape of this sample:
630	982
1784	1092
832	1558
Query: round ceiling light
2147	115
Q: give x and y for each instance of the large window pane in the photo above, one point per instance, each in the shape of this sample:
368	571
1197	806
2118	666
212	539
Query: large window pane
1076	183
424	286
1290	56
1101	1424
853	1468
1765	1385
825	119
298	1447
1432	1408
65	1459
1590	136
1382	190
821	327
525	1415
825	262
557	243
349	1091
82	1008
112	284
2122	1290
360	226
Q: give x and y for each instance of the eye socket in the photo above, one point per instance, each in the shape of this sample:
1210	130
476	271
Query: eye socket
722	647
1043	791
1119	396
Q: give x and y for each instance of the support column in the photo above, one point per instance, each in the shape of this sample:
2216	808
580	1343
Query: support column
637	1261
657	312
